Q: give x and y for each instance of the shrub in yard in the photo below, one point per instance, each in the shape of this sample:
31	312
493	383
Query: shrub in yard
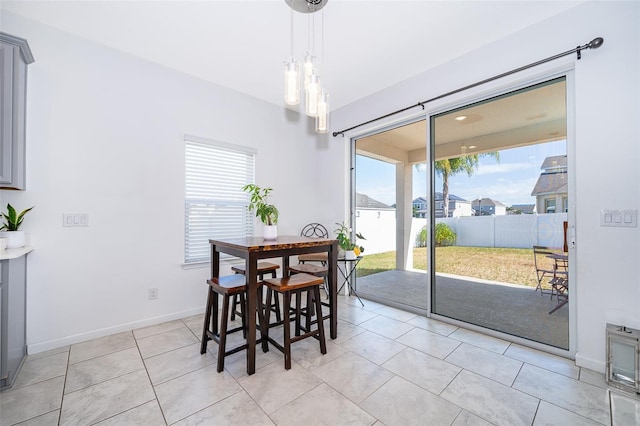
444	235
421	238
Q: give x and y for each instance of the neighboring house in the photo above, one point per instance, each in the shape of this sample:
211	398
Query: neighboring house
420	207
551	188
457	206
488	207
522	209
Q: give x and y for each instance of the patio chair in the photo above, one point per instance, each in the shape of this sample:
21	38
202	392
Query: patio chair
544	265
314	230
560	285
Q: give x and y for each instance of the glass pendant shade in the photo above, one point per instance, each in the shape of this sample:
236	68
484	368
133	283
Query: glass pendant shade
309	68
291	82
322	118
311	96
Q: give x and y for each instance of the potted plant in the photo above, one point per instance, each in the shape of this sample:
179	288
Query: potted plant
268	213
11	227
351	249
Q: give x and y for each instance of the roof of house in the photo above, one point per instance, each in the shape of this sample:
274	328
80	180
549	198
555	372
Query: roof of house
364	201
452	197
554	162
554	178
486	202
551	183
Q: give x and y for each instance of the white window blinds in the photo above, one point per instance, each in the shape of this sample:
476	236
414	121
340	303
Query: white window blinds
215	205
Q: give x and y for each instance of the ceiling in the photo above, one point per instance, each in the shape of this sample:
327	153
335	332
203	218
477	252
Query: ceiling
241	44
528	116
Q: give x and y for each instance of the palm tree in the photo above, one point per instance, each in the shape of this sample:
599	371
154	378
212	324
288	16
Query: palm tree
452	166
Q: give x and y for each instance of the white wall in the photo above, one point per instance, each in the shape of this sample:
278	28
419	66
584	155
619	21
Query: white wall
104	137
606	156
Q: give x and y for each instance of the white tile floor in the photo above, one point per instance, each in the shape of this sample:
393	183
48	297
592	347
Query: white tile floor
387	367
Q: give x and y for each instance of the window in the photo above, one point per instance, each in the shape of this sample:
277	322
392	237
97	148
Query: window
215	205
550	205
565	204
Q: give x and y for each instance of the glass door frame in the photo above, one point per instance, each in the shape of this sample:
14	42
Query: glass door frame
509	84
564	67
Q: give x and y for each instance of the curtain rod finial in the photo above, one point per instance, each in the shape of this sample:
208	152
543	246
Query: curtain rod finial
596	42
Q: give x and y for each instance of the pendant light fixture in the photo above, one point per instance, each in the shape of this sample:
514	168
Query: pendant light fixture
316	97
291	76
322	117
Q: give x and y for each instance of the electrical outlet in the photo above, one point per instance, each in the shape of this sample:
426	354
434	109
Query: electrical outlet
153	293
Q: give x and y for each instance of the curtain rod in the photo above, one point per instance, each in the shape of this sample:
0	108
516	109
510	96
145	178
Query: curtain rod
593	44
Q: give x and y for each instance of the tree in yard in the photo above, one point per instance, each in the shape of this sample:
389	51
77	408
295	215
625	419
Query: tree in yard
452	166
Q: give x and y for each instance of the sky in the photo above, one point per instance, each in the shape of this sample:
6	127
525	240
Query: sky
509	181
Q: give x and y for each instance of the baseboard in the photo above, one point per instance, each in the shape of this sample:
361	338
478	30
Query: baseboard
590	363
35	348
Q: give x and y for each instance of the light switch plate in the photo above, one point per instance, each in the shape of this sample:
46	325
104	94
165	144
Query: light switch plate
75	219
619	218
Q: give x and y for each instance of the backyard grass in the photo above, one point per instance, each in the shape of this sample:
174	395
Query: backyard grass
508	265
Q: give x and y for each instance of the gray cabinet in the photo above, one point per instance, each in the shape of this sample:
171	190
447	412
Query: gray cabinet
15	55
13	319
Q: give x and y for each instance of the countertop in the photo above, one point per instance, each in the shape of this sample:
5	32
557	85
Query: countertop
15	253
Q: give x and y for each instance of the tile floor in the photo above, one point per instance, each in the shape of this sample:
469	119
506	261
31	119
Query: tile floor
387	367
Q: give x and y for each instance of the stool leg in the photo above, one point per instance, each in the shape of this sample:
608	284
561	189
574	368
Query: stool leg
234	306
310	312
223	332
287	332
207	318
277	301
261	322
267	321
316	296
243	313
297	311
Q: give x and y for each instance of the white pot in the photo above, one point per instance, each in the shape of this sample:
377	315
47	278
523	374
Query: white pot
350	255
270	232
15	238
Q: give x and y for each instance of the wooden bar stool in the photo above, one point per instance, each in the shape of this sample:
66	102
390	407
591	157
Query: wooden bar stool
295	284
263	269
233	285
318	271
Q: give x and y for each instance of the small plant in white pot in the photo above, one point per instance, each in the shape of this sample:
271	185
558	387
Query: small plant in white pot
11	227
267	213
351	249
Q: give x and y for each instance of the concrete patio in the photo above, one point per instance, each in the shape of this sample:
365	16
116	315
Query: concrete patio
508	308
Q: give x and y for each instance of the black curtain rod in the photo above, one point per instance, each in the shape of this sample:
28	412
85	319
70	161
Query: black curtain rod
593	44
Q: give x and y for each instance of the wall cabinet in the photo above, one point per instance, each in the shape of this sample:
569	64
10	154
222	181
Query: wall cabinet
13	313
15	55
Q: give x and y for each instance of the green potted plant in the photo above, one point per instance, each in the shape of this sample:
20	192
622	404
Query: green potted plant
351	249
267	213
11	227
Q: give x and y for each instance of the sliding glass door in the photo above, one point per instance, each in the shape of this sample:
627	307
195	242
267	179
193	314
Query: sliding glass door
499	188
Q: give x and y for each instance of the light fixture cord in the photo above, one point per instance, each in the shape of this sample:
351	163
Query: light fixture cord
322	61
309	34
291	33
313	31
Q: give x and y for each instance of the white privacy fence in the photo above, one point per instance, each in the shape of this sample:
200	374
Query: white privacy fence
509	231
516	231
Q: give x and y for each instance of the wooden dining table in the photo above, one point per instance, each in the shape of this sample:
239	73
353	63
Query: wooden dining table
253	249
